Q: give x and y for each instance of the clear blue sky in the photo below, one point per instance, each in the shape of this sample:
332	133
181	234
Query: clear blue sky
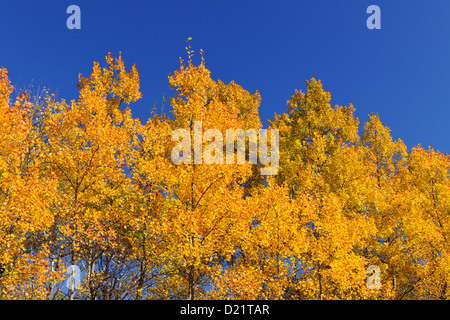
401	72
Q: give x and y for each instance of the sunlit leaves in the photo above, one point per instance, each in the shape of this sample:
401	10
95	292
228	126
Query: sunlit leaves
84	183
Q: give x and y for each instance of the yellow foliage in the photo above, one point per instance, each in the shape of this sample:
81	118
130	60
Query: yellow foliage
86	184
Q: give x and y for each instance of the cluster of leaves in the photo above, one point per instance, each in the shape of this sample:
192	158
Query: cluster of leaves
84	183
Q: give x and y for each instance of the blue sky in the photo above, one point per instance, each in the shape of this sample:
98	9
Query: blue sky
401	72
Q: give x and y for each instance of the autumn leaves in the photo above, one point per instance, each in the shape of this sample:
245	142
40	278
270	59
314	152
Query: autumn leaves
213	152
86	184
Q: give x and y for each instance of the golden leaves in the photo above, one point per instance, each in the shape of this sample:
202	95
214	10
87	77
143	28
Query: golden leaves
84	183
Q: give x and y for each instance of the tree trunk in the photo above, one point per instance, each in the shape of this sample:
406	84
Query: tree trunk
191	283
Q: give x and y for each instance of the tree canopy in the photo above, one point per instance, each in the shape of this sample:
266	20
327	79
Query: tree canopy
85	183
